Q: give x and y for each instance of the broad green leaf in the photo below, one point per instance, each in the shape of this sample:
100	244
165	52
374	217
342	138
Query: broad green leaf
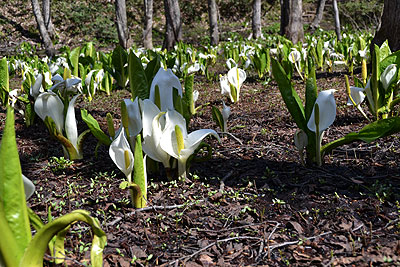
74	60
369	133
119	59
311	93
289	95
139	175
4	81
152	68
391	59
12	194
34	253
95	128
137	77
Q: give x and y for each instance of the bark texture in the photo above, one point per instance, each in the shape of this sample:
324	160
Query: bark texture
173	31
285	14
295	31
390	25
46	7
337	20
148	24
50	51
121	22
256	19
213	20
319	14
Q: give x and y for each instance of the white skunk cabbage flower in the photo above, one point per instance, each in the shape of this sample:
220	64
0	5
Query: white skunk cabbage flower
166	80
178	143
69	85
236	77
294	56
226	112
50	104
357	93
120	152
153	126
388	76
327	111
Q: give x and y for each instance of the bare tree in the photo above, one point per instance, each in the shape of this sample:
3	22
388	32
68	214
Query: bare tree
121	22
292	20
173	28
148	24
213	20
337	20
256	19
46	7
318	15
50	51
390	25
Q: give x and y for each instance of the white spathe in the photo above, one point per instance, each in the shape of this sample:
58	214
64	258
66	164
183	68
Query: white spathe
357	93
388	75
50	104
166	80
118	148
327	111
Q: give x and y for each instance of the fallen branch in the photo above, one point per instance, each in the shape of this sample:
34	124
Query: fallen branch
234	137
270	248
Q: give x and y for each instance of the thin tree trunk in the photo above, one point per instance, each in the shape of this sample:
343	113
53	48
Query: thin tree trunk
121	22
285	14
173	31
148	24
295	31
256	20
318	14
337	20
389	28
46	7
213	20
50	51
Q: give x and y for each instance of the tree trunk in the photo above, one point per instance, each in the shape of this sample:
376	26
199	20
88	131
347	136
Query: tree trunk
50	51
47	17
256	20
285	14
173	31
295	31
389	28
337	20
148	24
213	19
318	14
121	22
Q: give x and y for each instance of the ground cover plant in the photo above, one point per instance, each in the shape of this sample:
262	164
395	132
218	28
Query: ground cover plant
246	153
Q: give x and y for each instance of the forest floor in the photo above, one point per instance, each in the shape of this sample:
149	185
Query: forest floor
252	203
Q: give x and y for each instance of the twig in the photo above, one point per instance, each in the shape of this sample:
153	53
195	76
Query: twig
212	244
297	241
234	137
269	238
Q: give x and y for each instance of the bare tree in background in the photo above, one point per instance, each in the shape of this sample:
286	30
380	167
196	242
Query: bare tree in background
292	20
148	24
390	25
121	22
173	27
48	44
319	14
213	20
337	20
46	7
256	19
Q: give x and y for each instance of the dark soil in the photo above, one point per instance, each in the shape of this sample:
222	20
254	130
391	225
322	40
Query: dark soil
253	203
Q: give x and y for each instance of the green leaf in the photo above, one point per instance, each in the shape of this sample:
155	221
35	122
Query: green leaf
137	77
119	59
391	59
217	117
289	95
369	133
12	195
139	175
4	81
311	93
74	60
34	253
152	68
